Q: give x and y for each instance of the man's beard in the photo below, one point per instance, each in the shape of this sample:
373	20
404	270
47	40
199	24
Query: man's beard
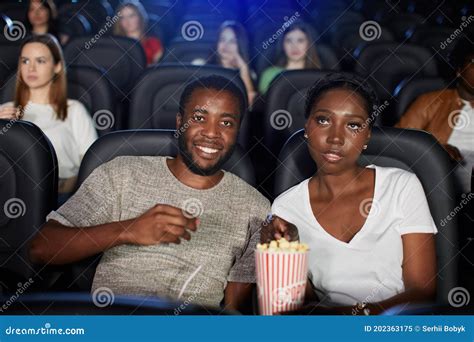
194	167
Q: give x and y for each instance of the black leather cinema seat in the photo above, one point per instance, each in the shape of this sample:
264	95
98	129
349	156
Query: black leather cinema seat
122	59
412	150
387	64
408	91
155	99
28	192
10	41
182	51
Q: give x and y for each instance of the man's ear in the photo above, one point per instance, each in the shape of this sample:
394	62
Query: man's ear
179	120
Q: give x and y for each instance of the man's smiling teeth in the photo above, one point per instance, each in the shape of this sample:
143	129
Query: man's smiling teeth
207	149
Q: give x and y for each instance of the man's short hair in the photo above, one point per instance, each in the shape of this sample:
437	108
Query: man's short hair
214	82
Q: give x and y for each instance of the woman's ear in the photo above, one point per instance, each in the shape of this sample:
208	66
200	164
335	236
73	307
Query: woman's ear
58	68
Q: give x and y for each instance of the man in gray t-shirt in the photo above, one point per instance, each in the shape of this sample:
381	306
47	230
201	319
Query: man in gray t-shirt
179	228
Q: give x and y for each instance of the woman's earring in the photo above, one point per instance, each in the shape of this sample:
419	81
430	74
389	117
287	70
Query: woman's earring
364	147
305	135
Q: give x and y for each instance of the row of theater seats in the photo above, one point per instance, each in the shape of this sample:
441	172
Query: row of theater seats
29	175
339	42
151	100
338	24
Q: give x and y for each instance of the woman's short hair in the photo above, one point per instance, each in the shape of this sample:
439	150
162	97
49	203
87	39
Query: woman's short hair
58	91
342	80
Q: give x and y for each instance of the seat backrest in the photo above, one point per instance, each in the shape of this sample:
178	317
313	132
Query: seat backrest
87	85
91	87
10	41
285	101
349	37
403	24
155	98
28	192
411	150
14	9
387	64
182	51
96	12
121	58
407	92
74	26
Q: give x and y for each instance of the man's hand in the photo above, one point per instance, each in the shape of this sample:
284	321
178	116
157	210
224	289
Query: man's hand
453	152
275	228
160	224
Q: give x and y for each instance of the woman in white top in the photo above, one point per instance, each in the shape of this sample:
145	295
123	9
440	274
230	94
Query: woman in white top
369	229
41	98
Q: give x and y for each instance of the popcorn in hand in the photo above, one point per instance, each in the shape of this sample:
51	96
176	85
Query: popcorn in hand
283	245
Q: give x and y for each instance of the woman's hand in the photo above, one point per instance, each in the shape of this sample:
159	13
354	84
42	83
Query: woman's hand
9	113
274	228
233	60
453	152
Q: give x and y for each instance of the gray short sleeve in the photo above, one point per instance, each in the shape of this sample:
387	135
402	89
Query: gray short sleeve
94	203
243	270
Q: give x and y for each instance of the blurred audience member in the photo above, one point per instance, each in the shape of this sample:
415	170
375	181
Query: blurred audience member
296	50
41	98
133	24
232	52
448	114
42	18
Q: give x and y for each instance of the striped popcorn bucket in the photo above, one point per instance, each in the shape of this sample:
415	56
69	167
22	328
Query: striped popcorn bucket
281	280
